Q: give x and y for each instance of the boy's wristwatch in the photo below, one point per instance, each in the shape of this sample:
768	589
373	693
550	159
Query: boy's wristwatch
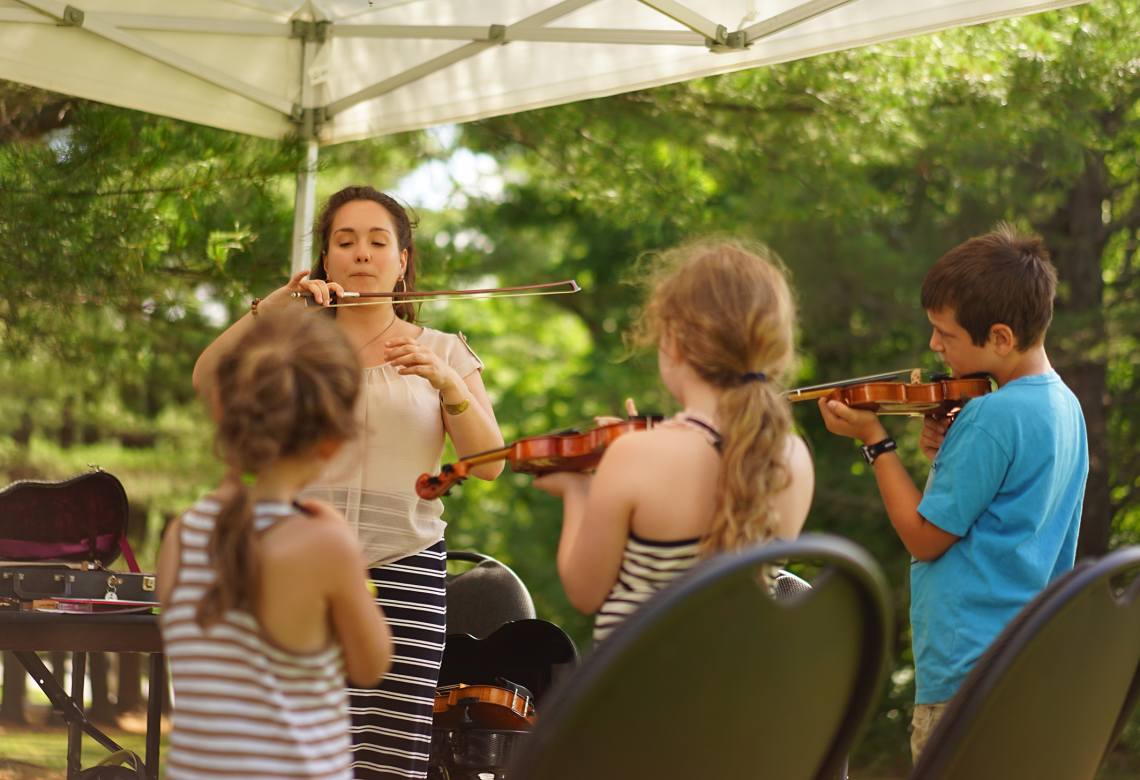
872	451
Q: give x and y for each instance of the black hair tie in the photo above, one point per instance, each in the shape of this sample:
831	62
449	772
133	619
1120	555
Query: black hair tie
754	376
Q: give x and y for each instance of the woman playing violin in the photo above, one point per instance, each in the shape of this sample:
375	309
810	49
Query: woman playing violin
725	472
420	385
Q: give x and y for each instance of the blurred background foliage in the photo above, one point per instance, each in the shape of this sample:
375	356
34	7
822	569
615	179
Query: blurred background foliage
127	241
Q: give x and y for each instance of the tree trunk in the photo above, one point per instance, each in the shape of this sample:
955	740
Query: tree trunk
102	711
130	682
1076	237
15	681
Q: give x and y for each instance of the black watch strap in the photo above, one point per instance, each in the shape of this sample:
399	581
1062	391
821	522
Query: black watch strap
872	451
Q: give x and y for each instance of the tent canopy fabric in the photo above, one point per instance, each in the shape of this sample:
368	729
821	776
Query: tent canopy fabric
351	69
343	70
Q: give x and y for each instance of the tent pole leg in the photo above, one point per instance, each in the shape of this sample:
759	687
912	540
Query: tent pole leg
305	209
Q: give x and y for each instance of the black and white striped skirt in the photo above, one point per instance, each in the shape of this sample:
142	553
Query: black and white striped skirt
391	724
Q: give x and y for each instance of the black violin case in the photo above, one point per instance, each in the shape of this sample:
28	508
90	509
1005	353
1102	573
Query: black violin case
57	540
532	655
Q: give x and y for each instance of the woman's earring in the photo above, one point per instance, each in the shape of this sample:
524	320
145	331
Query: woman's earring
401	286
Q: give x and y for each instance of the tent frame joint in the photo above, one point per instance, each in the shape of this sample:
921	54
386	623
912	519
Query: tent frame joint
497	32
72	17
309	120
311	32
730	42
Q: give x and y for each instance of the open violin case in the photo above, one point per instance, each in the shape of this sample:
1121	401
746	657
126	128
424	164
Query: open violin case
57	540
505	678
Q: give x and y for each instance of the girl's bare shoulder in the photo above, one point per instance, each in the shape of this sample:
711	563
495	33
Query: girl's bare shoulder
661	444
316	539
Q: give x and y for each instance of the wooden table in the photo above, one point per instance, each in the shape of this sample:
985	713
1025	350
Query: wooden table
26	633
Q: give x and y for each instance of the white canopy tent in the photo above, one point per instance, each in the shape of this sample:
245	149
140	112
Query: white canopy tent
341	70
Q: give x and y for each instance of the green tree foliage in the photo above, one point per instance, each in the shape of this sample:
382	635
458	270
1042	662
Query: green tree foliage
862	168
111	236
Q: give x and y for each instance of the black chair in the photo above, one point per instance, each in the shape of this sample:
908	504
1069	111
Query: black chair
484	597
1052	694
713	678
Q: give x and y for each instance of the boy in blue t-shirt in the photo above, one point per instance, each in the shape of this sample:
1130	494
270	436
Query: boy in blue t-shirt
1002	506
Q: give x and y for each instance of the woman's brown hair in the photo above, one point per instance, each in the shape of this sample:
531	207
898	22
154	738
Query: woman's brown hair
731	312
289	383
404	226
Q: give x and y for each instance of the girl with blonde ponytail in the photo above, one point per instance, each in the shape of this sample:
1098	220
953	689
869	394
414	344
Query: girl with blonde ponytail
726	472
265	603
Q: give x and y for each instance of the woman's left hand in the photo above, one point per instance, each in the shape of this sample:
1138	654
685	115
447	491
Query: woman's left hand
412	358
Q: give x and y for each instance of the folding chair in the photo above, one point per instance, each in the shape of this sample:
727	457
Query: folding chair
484	597
1051	695
713	678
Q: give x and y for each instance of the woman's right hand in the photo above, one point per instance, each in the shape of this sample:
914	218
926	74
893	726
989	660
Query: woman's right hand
321	291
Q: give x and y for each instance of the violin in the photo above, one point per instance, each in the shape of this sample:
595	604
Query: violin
509	708
941	398
572	450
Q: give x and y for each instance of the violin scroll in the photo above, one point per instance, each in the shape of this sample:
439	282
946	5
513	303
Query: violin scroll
432	486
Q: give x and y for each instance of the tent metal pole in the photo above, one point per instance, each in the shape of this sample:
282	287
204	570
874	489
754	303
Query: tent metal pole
691	19
792	17
305	209
496	36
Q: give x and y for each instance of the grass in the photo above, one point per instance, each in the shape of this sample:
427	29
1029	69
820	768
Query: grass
31	752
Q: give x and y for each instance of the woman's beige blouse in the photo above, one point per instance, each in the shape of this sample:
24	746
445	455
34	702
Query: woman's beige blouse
401	436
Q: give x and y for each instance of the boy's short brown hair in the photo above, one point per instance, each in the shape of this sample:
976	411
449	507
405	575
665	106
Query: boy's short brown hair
1002	277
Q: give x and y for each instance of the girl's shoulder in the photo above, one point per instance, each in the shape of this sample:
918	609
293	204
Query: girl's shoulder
314	534
662	443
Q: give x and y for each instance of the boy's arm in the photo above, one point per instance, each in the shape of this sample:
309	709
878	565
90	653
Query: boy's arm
923	540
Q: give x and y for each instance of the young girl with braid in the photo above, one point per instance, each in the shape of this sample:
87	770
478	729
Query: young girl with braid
725	472
265	603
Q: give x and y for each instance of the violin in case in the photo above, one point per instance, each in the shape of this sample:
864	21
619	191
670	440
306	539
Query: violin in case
58	540
490	693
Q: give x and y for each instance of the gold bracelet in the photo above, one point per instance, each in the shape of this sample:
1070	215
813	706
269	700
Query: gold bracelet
458	408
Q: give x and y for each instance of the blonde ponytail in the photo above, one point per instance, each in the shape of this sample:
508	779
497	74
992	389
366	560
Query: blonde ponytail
755	422
730	310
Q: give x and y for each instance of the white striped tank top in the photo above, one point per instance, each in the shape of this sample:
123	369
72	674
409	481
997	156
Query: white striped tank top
244	707
646	567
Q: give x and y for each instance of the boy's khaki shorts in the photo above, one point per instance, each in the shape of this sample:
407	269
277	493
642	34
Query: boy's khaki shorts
926	717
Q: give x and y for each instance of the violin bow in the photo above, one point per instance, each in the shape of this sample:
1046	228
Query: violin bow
425	296
818	391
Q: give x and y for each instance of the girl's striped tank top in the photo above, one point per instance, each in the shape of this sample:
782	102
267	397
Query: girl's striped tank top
244	707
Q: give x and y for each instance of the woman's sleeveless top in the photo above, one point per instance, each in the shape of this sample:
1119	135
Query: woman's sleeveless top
372	479
244	707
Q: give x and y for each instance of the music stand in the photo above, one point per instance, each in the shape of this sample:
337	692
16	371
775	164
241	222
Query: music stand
25	633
